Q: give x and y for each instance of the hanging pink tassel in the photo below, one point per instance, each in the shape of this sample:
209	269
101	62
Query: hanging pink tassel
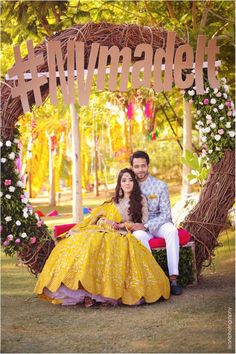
148	109
130	111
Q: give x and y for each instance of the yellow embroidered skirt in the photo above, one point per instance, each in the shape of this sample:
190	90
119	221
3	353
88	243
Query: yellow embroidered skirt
103	263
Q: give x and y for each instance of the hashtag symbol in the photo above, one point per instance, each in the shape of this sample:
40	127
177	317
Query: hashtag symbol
30	64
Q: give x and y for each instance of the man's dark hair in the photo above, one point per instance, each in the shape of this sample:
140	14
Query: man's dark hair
138	155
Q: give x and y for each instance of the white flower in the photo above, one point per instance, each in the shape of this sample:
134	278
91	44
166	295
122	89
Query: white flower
199	122
228	125
8	218
8	196
3	160
223	80
231	133
18	223
191	92
210	151
213	125
222	118
215	90
12	189
12	156
25	215
208	116
25	210
19	184
221	106
217	148
8	143
193	71
197	126
1	194
16	141
204	139
24	235
24	200
213	101
31	211
1	144
217	137
207	130
198	112
207	90
225	95
215	110
226	87
219	94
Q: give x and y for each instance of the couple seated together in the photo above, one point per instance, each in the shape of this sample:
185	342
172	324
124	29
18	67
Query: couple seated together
107	258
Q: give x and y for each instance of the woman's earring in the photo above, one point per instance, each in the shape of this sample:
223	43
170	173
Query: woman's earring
121	193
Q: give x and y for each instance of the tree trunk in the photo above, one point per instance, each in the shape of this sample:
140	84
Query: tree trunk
187	145
77	208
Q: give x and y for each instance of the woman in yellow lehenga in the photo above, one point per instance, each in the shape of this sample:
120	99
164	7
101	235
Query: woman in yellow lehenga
101	261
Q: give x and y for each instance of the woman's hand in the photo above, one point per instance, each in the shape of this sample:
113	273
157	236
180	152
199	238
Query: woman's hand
137	226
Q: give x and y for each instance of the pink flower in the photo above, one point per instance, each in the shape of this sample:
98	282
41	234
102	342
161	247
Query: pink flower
228	104
5	243
221	131
229	113
206	101
17	241
33	240
40	223
190	101
10	237
7	182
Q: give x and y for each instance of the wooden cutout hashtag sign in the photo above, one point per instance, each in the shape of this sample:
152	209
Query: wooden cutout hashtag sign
34	84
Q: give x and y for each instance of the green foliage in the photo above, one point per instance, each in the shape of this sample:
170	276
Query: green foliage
199	169
19	225
186	271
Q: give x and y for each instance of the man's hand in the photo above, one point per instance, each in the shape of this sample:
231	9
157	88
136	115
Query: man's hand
137	226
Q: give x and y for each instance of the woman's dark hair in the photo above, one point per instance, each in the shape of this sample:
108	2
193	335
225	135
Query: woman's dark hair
138	155
135	208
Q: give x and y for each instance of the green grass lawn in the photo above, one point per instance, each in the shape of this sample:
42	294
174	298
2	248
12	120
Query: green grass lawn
197	321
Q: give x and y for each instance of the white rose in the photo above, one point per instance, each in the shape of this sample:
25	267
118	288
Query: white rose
19	184
217	148
221	106
222	118
207	90
18	223
25	210
8	196
226	87
204	139
217	137
198	112
228	125
213	101
1	144
215	90
225	95
231	133
210	151
8	143
12	156
8	218
223	80
191	92
199	122
215	110
1	194
197	126
16	141
207	130
219	94
25	215
24	200
3	160
213	125
24	235
12	189
208	116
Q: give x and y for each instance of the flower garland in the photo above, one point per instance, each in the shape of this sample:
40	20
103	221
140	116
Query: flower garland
19	224
214	119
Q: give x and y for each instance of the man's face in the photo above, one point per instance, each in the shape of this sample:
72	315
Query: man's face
140	168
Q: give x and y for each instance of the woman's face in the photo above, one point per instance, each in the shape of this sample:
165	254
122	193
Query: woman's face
127	183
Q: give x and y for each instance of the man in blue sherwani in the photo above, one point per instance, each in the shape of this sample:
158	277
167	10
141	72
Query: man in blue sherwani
159	221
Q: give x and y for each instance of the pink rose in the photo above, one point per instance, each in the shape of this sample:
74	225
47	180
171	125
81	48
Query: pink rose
229	113
40	223
7	182
10	237
228	104
33	240
5	243
17	241
221	131
206	101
